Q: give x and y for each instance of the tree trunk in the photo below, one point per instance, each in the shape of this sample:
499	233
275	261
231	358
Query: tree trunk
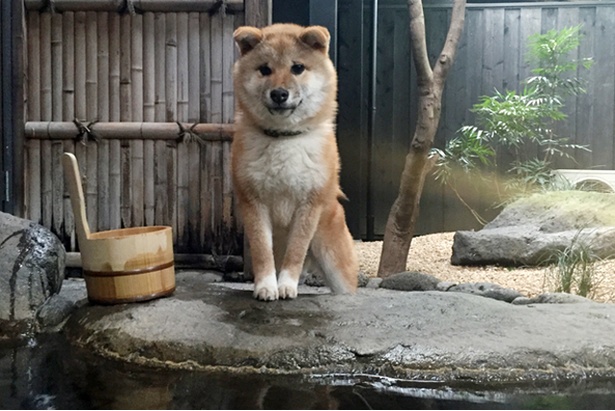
405	210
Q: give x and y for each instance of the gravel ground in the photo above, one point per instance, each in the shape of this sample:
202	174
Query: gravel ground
431	254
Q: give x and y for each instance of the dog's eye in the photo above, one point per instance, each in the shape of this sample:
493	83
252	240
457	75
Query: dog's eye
297	69
265	70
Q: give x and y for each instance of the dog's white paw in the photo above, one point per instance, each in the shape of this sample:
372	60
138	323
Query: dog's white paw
266	289
287	287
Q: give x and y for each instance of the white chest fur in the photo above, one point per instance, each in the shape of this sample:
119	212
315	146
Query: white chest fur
284	171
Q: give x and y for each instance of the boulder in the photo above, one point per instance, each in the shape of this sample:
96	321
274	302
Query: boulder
530	230
31	269
488	290
410	281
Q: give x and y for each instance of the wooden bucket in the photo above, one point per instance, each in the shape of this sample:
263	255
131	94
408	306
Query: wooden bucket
125	265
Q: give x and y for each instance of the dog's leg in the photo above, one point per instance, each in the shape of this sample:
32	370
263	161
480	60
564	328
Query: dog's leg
334	249
257	226
303	226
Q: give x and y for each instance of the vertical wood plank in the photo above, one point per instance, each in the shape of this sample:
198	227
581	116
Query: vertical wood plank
585	102
171	71
603	154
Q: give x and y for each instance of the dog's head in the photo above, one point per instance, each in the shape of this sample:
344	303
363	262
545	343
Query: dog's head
284	78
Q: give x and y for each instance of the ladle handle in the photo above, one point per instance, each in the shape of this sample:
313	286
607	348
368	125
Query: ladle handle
77	200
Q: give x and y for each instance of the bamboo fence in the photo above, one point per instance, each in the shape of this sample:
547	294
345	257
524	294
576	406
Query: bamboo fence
141	92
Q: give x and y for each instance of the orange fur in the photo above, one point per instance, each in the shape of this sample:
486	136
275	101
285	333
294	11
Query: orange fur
285	162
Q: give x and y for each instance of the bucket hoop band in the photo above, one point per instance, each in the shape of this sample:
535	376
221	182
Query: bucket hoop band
137	271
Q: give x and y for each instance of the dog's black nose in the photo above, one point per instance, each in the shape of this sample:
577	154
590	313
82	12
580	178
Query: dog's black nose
279	95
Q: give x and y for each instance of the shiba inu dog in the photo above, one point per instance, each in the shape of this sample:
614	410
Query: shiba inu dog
285	162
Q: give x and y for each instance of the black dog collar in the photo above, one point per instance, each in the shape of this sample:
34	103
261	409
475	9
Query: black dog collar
282	133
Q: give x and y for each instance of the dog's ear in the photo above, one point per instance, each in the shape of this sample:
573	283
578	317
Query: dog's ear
247	38
316	37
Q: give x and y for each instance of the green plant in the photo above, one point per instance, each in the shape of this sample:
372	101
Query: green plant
573	270
514	121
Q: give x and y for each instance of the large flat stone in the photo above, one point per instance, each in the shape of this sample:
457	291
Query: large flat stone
440	335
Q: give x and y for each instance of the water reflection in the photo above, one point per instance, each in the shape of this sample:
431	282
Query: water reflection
50	374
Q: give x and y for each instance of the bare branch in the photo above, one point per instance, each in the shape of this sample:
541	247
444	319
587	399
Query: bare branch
445	61
418	40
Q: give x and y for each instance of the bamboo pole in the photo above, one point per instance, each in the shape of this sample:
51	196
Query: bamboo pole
103	222
114	116
125	115
61	130
149	67
171	67
33	153
149	101
80	85
114	67
194	114
183	75
125	68
56	67
126	189
91	97
171	115
217	68
57	147
136	146
182	63
140	5
228	58
159	48
46	113
68	112
115	193
205	64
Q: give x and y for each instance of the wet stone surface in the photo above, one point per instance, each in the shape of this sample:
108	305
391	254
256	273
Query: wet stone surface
31	269
443	335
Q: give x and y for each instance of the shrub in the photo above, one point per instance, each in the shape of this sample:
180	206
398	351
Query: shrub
514	121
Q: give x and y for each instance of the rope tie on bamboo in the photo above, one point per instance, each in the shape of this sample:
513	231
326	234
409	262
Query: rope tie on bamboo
85	132
130	6
218	7
52	6
188	135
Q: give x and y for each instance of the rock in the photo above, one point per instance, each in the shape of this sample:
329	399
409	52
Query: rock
445	285
488	290
374	282
316	279
522	300
560	298
410	281
59	307
31	267
530	230
428	335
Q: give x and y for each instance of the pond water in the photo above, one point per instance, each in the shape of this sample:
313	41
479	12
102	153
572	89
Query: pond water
46	373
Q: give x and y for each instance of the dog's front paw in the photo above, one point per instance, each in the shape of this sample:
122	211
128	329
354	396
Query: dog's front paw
266	289
287	287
